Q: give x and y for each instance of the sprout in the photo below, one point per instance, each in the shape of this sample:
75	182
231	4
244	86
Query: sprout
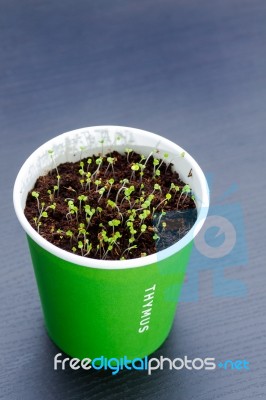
98	162
144	215
156	187
72	209
113	223
97	183
168	196
111	161
36	195
89	213
143	229
52	206
80	246
175	188
81	170
128	151
164	225
88	180
81	198
89	161
156	237
185	190
70	234
51	153
111	181
135	167
162	214
128	250
101	192
101	142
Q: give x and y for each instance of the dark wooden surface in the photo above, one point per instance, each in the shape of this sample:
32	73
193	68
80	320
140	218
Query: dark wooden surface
193	71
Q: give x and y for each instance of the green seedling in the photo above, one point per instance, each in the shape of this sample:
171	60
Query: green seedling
110	182
51	153
134	167
164	224
162	214
127	193
168	197
82	198
98	162
89	213
143	229
36	195
101	192
70	234
156	237
185	190
113	223
145	213
157	187
88	181
111	161
97	183
128	151
101	142
72	209
81	170
89	162
174	188
128	250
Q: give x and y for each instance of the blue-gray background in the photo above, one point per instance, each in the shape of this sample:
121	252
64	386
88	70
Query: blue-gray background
191	70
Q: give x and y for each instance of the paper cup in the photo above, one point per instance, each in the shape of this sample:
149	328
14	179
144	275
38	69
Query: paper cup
95	308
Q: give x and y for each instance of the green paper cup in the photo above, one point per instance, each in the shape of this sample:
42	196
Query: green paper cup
94	308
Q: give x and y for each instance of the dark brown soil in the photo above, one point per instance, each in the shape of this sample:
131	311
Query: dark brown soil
93	238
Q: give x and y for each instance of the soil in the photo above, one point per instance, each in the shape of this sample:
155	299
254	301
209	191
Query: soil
161	230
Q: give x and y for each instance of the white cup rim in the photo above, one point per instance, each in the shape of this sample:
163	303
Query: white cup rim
112	264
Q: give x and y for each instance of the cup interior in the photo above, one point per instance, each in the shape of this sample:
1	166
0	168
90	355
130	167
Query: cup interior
74	145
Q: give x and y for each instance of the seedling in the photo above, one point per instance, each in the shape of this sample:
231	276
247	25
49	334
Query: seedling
72	209
134	167
174	188
185	190
114	223
97	183
128	250
101	142
88	181
81	170
36	195
89	211
101	192
167	198
110	181
82	198
128	151
89	162
111	161
156	187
